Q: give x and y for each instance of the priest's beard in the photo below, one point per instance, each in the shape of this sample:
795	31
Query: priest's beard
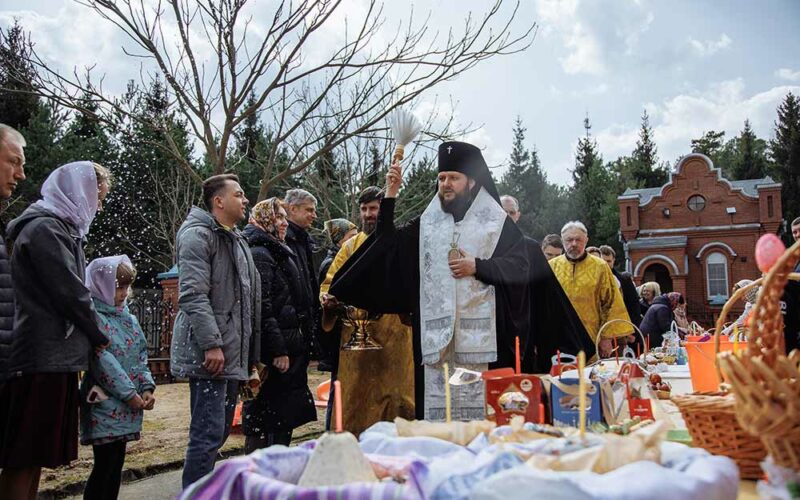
458	206
368	225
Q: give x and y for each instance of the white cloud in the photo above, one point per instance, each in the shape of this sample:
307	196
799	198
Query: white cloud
723	106
710	47
553	14
592	36
496	156
77	48
585	56
788	74
561	19
616	140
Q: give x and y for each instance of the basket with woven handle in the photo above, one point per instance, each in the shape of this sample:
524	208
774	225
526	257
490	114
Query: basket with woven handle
710	417
720	326
617	339
764	379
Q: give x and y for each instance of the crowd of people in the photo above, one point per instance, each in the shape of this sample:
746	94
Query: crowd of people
460	285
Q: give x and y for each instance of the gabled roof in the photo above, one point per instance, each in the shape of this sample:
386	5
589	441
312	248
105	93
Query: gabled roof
748	187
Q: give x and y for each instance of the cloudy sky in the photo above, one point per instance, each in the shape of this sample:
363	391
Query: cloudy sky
694	65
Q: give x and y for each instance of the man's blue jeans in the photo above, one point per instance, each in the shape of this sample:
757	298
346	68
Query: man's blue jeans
213	403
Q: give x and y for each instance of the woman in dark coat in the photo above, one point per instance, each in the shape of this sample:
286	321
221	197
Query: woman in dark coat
660	315
55	327
284	401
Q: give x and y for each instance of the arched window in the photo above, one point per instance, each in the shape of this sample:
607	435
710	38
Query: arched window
717	276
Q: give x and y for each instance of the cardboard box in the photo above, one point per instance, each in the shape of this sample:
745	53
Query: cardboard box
509	394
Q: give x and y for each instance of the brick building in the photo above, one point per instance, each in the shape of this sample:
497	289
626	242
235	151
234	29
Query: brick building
697	233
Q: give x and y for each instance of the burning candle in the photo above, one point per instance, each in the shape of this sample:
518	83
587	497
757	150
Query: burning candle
518	365
337	401
447	393
581	394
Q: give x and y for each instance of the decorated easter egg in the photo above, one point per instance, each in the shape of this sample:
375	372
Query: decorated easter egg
768	250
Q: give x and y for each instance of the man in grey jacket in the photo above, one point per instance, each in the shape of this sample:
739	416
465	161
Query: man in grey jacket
216	335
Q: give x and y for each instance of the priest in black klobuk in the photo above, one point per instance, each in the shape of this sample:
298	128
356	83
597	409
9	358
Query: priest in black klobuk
460	270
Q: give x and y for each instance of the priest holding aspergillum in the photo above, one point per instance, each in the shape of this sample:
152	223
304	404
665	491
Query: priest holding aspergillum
460	270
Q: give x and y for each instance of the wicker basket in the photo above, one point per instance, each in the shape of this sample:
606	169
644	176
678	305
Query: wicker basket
711	420
765	381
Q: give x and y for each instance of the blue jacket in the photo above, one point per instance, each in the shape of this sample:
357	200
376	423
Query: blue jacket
121	370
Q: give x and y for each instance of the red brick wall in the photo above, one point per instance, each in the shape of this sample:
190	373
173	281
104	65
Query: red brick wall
695	176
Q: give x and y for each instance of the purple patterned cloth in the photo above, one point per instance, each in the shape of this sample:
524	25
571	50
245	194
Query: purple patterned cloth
70	193
273	473
439	470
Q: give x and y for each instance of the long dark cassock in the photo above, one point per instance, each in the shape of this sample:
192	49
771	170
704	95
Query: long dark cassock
555	326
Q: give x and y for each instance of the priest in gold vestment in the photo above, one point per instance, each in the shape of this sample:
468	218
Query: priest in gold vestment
590	286
377	385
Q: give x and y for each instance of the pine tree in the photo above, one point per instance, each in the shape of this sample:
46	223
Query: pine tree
18	101
250	152
593	189
785	153
624	171
710	144
519	161
722	153
645	169
44	152
586	156
526	181
751	156
372	178
151	197
86	138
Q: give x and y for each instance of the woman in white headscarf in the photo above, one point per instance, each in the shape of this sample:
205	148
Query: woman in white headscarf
55	327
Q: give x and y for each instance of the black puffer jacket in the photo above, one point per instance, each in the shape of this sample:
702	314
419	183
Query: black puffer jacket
284	401
304	247
6	305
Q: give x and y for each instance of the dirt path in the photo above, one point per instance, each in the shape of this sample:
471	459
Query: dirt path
163	444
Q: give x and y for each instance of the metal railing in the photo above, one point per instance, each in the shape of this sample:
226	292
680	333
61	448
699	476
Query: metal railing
155	317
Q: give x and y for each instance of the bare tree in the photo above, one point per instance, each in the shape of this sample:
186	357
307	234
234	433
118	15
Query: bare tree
362	160
300	79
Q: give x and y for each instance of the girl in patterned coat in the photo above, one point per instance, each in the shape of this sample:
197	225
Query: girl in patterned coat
118	385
